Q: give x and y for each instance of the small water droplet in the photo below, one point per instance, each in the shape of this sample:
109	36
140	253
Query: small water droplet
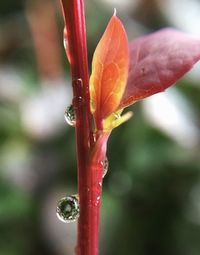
77	82
66	45
100	184
68	209
70	116
94	137
105	166
97	202
117	116
77	102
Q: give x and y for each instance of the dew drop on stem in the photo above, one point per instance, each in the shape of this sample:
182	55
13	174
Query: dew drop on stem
117	116
78	86
70	116
68	209
77	83
105	164
66	45
77	102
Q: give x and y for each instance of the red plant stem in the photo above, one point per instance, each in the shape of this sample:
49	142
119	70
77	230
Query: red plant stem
89	157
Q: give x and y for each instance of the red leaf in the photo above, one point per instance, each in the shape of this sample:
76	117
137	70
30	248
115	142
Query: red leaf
157	61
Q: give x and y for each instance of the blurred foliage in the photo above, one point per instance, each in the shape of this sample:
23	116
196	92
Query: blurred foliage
151	203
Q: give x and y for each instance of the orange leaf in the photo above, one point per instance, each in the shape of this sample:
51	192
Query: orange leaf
109	70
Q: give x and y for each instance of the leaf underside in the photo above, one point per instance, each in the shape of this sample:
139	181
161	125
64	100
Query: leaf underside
157	61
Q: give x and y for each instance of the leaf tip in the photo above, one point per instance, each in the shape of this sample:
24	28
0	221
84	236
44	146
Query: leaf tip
115	12
116	119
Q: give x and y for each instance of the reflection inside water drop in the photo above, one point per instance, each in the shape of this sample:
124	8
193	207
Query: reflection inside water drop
68	209
105	166
70	116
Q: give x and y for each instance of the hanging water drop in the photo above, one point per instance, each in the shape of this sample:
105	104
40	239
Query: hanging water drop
70	116
68	209
105	166
66	45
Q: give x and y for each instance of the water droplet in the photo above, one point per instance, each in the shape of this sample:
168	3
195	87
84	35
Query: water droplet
66	45
97	202
68	209
70	116
77	102
105	166
117	116
94	137
77	83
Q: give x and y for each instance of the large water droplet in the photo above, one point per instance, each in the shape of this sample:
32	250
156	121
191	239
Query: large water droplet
68	209
70	116
105	166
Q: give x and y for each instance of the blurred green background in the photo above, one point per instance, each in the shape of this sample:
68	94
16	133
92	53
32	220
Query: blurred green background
151	193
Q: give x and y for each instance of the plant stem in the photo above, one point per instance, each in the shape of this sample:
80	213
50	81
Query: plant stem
89	153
